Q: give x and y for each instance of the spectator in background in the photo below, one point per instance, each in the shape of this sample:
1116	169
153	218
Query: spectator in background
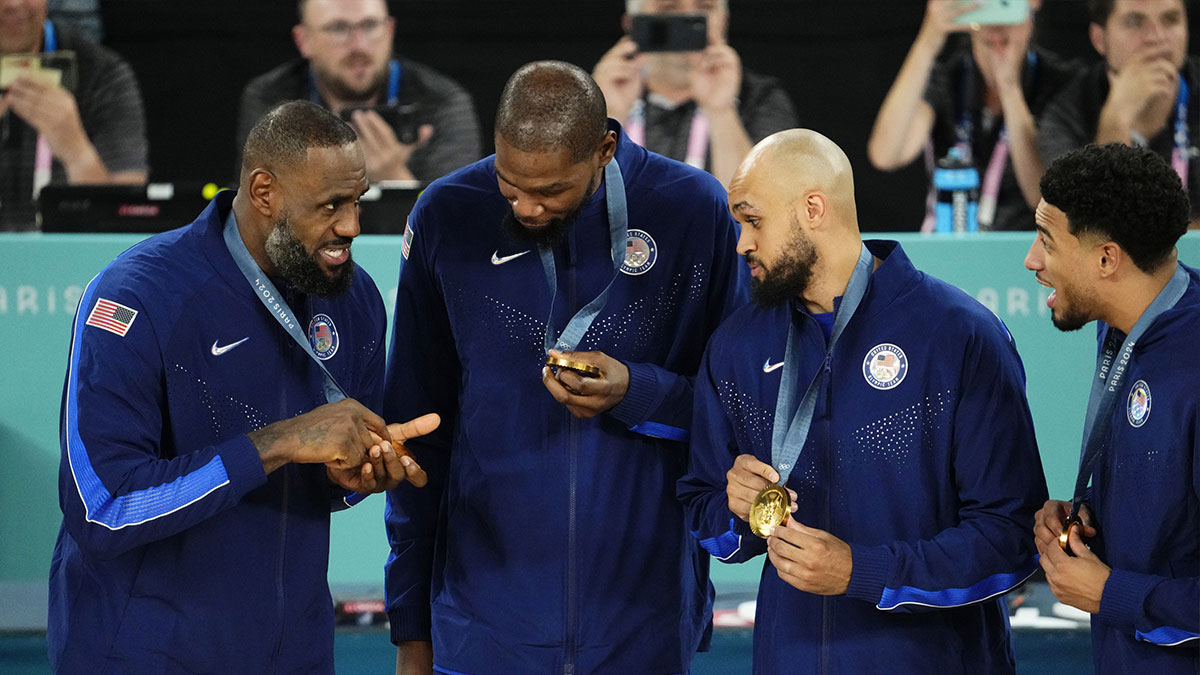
982	99
347	62
702	108
1144	92
81	15
90	128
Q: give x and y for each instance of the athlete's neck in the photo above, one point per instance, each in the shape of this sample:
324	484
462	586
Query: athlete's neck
1133	298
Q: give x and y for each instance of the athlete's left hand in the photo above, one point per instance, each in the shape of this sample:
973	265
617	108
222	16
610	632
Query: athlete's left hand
388	463
587	396
812	560
1079	581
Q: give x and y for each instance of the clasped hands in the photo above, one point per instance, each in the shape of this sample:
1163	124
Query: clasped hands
360	451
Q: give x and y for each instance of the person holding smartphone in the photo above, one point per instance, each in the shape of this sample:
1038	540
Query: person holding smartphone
982	99
699	106
88	128
347	65
1145	92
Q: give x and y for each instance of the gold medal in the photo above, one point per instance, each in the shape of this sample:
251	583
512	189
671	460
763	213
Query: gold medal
584	369
769	510
1064	539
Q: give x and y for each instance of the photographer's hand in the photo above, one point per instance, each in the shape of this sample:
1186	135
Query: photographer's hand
386	157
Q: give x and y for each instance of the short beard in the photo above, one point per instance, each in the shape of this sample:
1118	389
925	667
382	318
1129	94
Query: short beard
553	232
789	277
1069	321
298	267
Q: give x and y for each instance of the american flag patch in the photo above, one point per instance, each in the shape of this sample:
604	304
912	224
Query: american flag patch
112	316
406	242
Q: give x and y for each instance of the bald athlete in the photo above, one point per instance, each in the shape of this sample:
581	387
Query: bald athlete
891	408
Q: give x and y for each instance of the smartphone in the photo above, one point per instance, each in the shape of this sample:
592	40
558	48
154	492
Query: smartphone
401	118
670	32
995	13
55	68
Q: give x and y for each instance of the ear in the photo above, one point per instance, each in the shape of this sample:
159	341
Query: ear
608	148
813	209
263	192
1096	35
301	37
1111	259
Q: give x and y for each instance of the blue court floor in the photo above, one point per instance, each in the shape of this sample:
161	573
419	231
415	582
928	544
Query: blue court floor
368	652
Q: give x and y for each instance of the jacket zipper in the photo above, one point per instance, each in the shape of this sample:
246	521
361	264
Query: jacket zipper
573	466
826	517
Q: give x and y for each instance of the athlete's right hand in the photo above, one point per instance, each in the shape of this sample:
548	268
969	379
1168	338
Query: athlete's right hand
745	480
335	434
1049	520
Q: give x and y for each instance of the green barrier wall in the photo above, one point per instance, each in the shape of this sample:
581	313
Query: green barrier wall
43	276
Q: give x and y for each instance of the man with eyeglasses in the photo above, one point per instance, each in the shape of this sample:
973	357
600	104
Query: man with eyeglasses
413	122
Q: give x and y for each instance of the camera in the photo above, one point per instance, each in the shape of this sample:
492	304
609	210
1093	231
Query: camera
670	32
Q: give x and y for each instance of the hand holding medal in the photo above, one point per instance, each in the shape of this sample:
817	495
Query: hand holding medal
587	383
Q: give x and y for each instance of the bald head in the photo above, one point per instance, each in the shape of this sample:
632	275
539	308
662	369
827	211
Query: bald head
547	105
797	162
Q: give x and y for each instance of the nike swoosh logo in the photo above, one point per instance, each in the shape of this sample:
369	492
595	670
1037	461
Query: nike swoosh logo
497	260
769	367
217	351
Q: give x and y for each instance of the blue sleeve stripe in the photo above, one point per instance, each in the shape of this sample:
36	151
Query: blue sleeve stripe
139	506
724	545
657	430
1167	636
997	584
354	498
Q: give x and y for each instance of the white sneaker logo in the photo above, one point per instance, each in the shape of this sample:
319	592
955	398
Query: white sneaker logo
217	351
769	367
497	260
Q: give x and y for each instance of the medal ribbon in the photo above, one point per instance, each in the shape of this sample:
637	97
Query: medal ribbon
618	232
698	134
1182	151
790	431
265	291
1110	370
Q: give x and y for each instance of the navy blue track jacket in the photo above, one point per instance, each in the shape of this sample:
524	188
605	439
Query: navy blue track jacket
547	543
177	552
1145	500
921	457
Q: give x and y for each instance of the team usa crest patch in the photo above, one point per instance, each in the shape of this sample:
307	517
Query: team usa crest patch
1138	408
640	253
885	366
323	336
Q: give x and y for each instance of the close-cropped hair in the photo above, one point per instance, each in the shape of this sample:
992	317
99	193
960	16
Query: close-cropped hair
638	6
282	137
1124	194
548	105
1100	10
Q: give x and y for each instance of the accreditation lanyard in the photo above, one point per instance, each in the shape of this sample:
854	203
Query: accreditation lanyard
698	134
618	232
1110	370
790	430
1182	151
43	157
393	91
271	298
990	188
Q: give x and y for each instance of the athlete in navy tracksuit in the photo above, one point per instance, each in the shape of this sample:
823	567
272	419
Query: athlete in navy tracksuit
1108	226
1146	500
178	551
932	481
559	545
